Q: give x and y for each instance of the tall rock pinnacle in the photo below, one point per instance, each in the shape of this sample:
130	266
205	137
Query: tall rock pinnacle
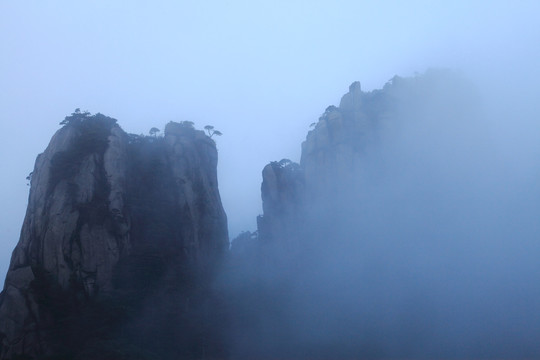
112	219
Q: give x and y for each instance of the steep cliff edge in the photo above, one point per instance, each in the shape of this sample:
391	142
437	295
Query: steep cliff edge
283	191
331	153
360	139
114	222
331	161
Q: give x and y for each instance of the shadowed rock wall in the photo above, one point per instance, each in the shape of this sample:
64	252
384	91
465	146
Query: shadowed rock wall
114	222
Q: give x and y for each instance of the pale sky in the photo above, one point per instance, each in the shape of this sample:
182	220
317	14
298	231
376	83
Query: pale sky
259	71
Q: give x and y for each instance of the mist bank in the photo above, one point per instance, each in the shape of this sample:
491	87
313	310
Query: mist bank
409	229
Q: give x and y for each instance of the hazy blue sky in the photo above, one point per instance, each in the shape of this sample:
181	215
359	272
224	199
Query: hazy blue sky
259	71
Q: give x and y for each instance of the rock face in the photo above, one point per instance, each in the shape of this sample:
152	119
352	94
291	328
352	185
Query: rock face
332	152
335	142
113	222
282	194
331	162
334	157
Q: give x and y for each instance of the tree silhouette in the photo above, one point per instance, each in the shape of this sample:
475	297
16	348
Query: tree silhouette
76	117
29	178
211	131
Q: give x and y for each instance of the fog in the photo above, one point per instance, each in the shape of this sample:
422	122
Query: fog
431	251
439	240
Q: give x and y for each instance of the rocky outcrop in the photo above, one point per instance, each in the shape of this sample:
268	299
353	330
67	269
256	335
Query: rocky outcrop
282	192
335	155
332	152
331	162
193	162
111	219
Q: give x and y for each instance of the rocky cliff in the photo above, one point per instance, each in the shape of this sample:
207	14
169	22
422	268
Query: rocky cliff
115	222
345	147
331	162
283	192
331	151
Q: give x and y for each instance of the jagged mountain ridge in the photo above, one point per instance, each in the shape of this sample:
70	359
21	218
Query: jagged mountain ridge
338	152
